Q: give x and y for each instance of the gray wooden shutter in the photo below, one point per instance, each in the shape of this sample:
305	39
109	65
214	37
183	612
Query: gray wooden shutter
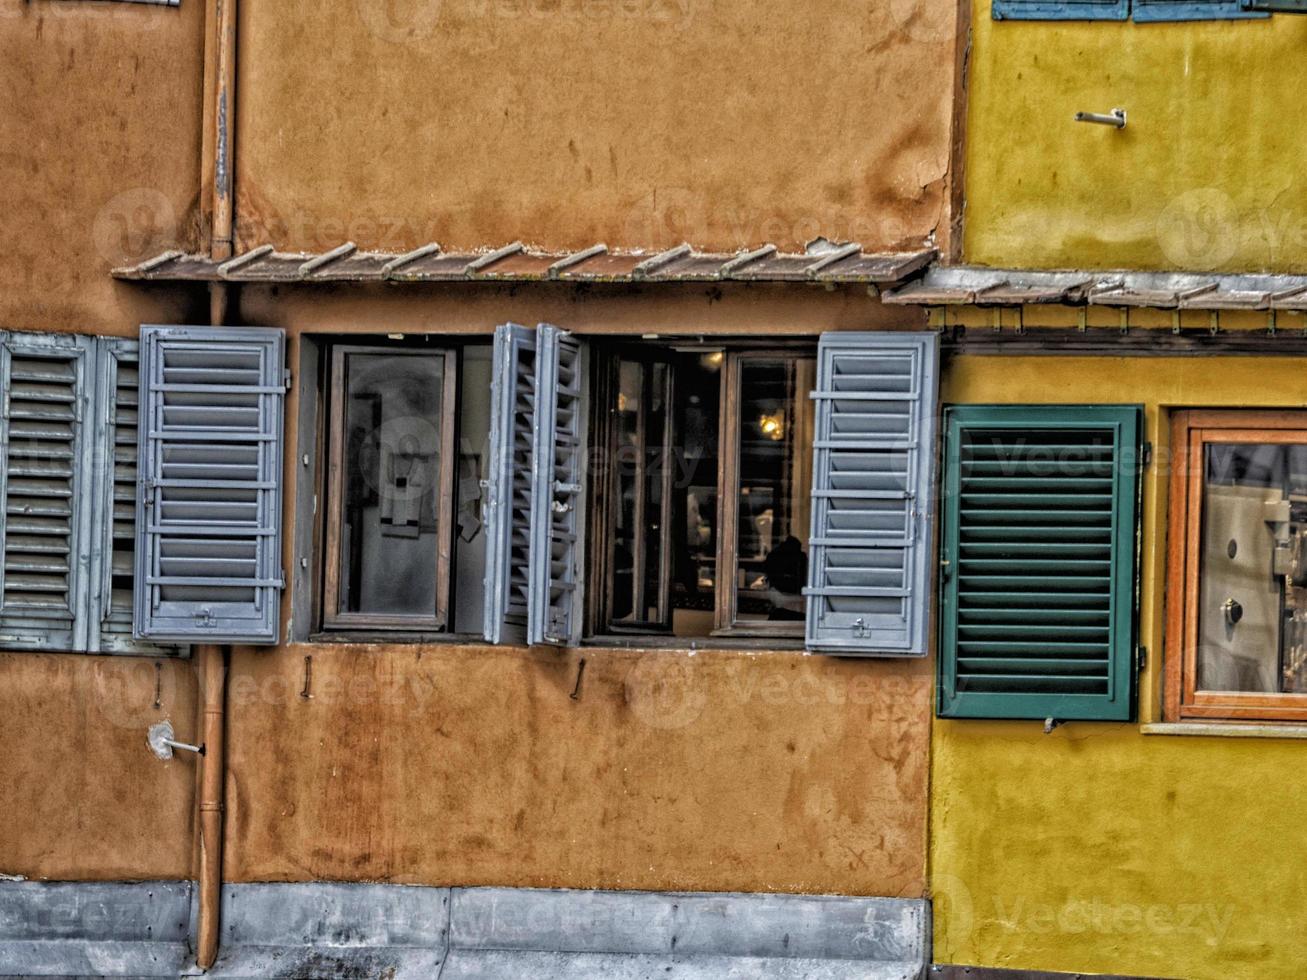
45	485
508	486
1158	11
1060	9
558	490
208	556
872	493
113	550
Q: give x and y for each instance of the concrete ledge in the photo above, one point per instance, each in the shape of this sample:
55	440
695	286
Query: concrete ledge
94	929
332	930
355	930
504	964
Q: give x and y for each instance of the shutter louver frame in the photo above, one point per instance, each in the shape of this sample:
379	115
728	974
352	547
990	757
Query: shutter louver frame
558	490
209	496
508	485
1037	603
113	558
1168	11
1061	10
869	568
46	460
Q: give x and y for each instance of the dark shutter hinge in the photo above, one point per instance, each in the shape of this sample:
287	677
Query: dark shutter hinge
1141	658
1148	454
285	380
147	492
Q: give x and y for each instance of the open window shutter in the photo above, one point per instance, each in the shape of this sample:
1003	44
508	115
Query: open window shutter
1038	563
44	482
208	556
1061	9
112	564
558	490
1146	11
508	486
872	496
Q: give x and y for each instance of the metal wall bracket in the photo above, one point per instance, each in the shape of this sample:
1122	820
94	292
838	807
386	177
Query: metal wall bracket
161	741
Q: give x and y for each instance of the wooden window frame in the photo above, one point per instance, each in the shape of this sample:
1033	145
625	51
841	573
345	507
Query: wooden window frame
1191	431
332	618
725	627
607	382
727	622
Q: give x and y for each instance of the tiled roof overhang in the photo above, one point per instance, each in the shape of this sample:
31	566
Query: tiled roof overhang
822	263
977	286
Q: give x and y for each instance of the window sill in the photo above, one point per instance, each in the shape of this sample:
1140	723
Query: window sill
686	644
1221	729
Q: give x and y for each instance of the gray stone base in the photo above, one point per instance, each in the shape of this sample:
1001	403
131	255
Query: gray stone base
94	929
351	930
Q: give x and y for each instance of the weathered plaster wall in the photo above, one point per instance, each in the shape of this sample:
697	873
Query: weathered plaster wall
1098	849
1206	175
99	148
81	795
473	765
100	151
639	123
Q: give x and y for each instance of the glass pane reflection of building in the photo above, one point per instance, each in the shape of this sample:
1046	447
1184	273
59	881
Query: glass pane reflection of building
1252	623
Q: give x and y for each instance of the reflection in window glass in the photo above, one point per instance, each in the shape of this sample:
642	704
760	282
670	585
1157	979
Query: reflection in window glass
775	481
1252	623
391	461
662	549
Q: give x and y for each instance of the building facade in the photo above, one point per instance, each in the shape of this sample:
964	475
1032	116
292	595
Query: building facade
410	405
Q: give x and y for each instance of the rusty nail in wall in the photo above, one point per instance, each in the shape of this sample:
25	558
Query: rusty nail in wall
576	689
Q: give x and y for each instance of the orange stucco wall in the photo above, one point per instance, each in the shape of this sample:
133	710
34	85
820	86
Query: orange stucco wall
639	123
100	149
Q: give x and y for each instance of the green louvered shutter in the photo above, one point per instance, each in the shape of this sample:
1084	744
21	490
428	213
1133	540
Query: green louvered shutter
508	483
558	490
45	482
1038	562
208	554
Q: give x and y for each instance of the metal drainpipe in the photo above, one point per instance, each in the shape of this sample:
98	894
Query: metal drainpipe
213	681
217	212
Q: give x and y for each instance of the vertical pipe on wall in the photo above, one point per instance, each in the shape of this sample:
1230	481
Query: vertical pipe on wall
221	118
217	221
212	662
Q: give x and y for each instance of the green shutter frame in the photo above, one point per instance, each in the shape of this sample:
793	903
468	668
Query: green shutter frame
1038	562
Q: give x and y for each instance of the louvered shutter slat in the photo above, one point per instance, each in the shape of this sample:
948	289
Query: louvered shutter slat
508	489
47	381
558	490
1037	600
868	589
209	485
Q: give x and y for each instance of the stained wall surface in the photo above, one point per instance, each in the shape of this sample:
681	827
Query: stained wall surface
1100	849
475	765
639	123
100	148
1205	176
83	798
100	107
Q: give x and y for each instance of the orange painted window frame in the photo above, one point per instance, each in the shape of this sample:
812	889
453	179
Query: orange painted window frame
1191	431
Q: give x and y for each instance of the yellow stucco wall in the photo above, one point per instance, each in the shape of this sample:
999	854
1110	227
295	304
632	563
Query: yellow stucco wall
1098	848
1207	174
